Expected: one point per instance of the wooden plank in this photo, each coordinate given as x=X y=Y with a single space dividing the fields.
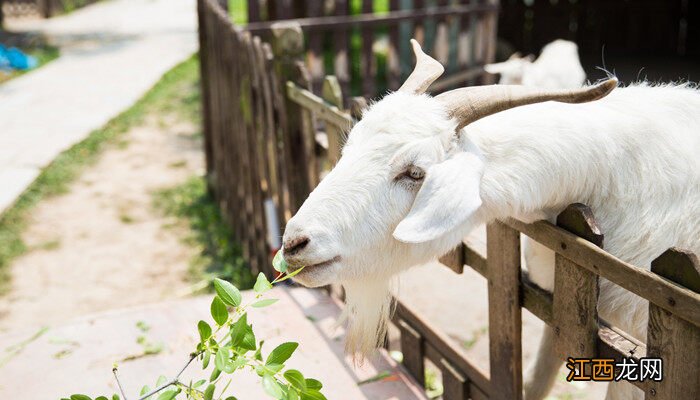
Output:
x=204 y=78
x=341 y=49
x=317 y=105
x=314 y=55
x=333 y=95
x=576 y=290
x=681 y=301
x=288 y=47
x=505 y=320
x=393 y=70
x=357 y=106
x=368 y=63
x=413 y=351
x=280 y=118
x=489 y=39
x=253 y=10
x=371 y=20
x=454 y=259
x=675 y=341
x=455 y=385
x=439 y=346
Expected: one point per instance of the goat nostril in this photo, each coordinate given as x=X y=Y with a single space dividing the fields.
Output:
x=295 y=245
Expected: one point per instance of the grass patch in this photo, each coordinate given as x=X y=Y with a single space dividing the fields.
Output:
x=43 y=53
x=220 y=256
x=176 y=92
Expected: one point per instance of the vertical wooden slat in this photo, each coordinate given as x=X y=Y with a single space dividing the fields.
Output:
x=393 y=67
x=413 y=349
x=288 y=48
x=505 y=346
x=368 y=63
x=332 y=93
x=204 y=87
x=341 y=48
x=489 y=41
x=674 y=340
x=357 y=106
x=454 y=259
x=455 y=384
x=576 y=290
x=280 y=124
x=253 y=10
x=314 y=58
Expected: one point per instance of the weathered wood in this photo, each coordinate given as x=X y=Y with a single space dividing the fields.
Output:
x=341 y=49
x=683 y=302
x=368 y=63
x=505 y=320
x=314 y=56
x=455 y=385
x=317 y=105
x=288 y=47
x=332 y=94
x=576 y=290
x=369 y=19
x=413 y=351
x=439 y=346
x=675 y=341
x=454 y=259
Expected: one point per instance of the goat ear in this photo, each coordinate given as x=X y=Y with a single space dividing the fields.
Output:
x=447 y=198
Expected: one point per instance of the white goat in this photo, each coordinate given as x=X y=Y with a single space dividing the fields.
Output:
x=558 y=66
x=418 y=173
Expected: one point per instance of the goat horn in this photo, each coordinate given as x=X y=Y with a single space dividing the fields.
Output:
x=472 y=103
x=427 y=70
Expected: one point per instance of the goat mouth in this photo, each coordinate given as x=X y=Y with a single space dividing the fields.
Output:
x=322 y=264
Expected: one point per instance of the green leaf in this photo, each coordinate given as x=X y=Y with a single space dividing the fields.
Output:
x=272 y=387
x=199 y=383
x=313 y=384
x=242 y=335
x=282 y=353
x=292 y=394
x=264 y=303
x=278 y=263
x=206 y=359
x=115 y=397
x=144 y=390
x=296 y=379
x=161 y=381
x=258 y=351
x=262 y=285
x=209 y=392
x=312 y=395
x=227 y=292
x=222 y=359
x=231 y=398
x=80 y=397
x=204 y=330
x=214 y=374
x=219 y=311
x=101 y=398
x=169 y=394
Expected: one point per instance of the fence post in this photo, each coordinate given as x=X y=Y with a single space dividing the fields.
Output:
x=505 y=315
x=674 y=340
x=332 y=93
x=413 y=349
x=575 y=302
x=288 y=48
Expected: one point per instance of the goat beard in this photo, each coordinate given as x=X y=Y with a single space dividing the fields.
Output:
x=369 y=305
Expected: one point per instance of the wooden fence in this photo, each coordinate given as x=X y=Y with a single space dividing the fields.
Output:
x=44 y=8
x=368 y=49
x=269 y=138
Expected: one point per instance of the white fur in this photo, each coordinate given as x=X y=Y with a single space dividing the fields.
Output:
x=558 y=66
x=631 y=157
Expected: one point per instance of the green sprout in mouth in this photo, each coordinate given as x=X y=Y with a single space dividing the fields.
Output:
x=281 y=266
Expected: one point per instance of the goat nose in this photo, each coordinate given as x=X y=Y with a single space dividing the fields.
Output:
x=295 y=245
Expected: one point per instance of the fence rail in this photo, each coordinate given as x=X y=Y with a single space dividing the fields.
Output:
x=269 y=138
x=369 y=52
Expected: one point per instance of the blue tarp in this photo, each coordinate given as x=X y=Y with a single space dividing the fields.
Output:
x=14 y=59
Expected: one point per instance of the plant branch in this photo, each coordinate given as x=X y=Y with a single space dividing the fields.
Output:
x=174 y=381
x=116 y=377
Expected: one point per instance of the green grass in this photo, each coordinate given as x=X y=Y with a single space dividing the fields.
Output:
x=176 y=92
x=43 y=53
x=220 y=256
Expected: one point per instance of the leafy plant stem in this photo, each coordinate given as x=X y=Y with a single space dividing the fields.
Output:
x=174 y=381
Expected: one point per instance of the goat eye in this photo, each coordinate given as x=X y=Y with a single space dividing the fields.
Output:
x=415 y=173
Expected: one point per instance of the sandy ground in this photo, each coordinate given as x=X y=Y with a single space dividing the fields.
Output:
x=102 y=245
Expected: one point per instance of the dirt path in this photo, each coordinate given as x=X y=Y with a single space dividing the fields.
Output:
x=102 y=245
